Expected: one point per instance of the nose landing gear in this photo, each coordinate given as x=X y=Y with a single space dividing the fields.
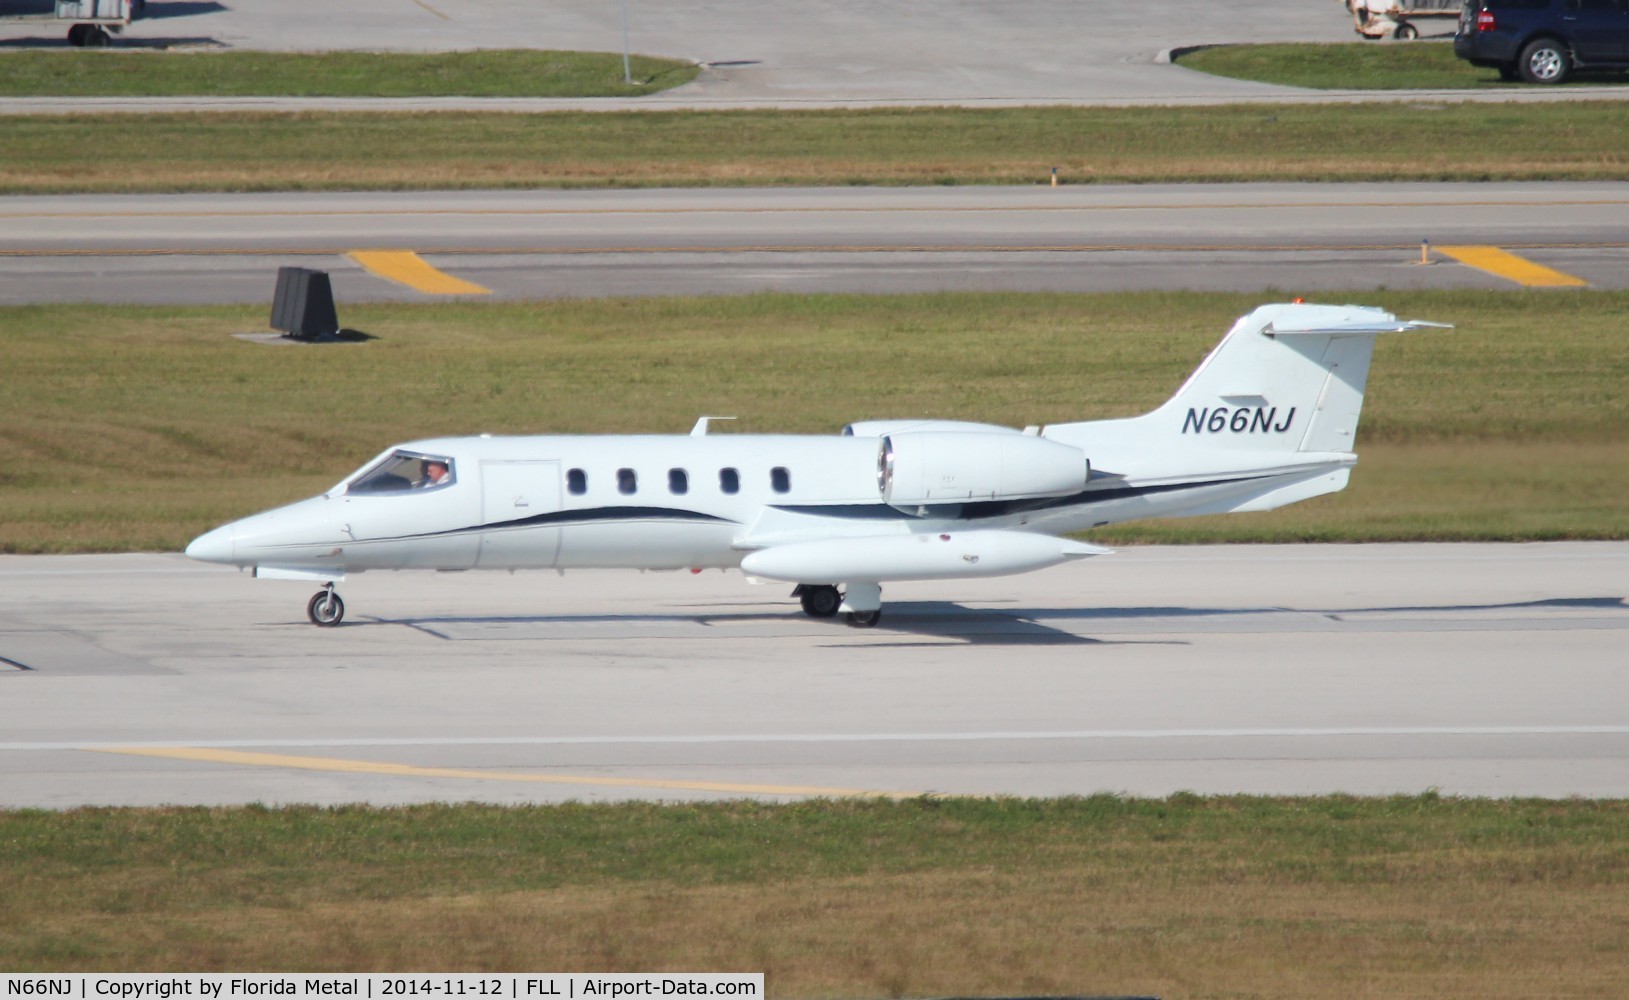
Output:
x=862 y=604
x=325 y=609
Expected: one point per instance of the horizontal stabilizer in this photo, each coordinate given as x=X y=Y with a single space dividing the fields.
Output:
x=1406 y=326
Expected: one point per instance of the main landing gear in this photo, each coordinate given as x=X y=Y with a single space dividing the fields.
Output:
x=325 y=608
x=819 y=600
x=861 y=605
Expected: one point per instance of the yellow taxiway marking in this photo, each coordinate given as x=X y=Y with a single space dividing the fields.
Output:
x=408 y=268
x=411 y=771
x=1504 y=264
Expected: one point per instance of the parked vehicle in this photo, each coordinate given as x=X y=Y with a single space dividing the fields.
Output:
x=1544 y=41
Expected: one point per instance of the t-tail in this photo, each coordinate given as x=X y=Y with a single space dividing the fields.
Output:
x=1268 y=418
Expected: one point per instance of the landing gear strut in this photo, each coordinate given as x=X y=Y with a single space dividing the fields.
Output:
x=325 y=608
x=862 y=603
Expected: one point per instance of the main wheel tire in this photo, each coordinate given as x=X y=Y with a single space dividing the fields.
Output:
x=97 y=37
x=821 y=601
x=864 y=619
x=76 y=35
x=1545 y=60
x=325 y=609
x=1406 y=32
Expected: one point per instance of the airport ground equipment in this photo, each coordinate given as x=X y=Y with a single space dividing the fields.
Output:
x=1395 y=18
x=93 y=22
x=303 y=304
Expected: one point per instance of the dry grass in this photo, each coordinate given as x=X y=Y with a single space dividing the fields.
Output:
x=136 y=428
x=1227 y=897
x=1359 y=65
x=1438 y=491
x=237 y=73
x=198 y=152
x=948 y=934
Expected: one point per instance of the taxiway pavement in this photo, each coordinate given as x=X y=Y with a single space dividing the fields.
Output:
x=1472 y=669
x=193 y=249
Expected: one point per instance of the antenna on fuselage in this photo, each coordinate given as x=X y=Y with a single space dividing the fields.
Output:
x=700 y=430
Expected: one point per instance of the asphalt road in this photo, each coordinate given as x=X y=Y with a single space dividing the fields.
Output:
x=814 y=53
x=810 y=51
x=1472 y=669
x=541 y=244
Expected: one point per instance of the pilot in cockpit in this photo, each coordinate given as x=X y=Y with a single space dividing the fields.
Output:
x=433 y=472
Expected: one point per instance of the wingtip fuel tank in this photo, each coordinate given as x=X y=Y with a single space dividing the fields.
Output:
x=925 y=556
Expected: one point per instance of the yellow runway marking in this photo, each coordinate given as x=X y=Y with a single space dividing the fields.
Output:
x=1503 y=264
x=408 y=268
x=410 y=771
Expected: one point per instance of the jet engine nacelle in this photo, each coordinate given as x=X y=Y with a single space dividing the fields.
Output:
x=916 y=470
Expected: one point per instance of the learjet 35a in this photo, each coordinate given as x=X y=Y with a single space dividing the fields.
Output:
x=1267 y=419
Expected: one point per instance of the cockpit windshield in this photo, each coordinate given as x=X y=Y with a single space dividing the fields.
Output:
x=403 y=471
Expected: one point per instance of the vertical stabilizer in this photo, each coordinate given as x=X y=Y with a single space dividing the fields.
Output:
x=1287 y=378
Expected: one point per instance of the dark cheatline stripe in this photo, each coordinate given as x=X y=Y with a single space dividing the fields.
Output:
x=589 y=515
x=847 y=511
x=981 y=509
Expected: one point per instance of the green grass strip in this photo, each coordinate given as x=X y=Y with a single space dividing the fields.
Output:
x=1361 y=66
x=358 y=151
x=136 y=428
x=485 y=73
x=1228 y=896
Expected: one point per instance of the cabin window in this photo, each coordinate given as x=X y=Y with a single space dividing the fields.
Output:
x=729 y=480
x=403 y=471
x=576 y=482
x=779 y=479
x=678 y=482
x=627 y=482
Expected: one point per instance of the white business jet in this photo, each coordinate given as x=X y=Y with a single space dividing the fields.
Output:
x=1267 y=419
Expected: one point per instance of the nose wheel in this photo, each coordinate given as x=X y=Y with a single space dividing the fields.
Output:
x=325 y=609
x=864 y=619
x=862 y=604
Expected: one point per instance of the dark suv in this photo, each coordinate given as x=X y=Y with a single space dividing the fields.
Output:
x=1543 y=41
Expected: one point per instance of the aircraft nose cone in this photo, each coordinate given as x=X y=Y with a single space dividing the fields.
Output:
x=212 y=546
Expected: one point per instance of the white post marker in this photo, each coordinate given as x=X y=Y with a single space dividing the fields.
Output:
x=627 y=74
